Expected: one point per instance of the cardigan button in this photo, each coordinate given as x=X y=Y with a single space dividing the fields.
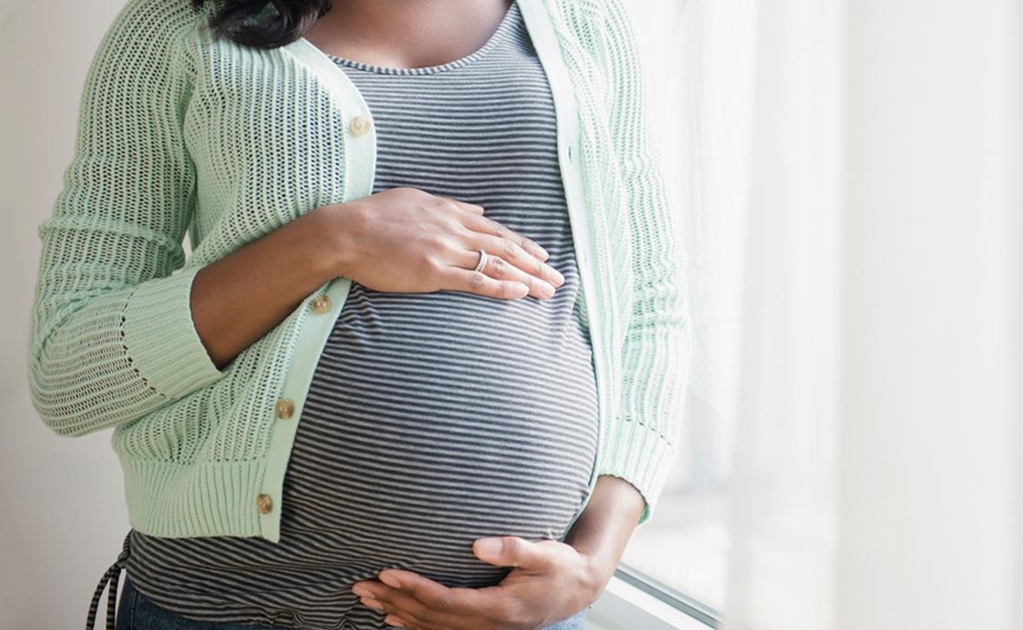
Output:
x=284 y=408
x=320 y=304
x=359 y=125
x=264 y=504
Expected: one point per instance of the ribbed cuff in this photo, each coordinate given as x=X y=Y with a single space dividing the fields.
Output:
x=161 y=340
x=640 y=456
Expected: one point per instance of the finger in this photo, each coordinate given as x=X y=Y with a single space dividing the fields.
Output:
x=399 y=607
x=407 y=620
x=395 y=620
x=513 y=551
x=513 y=253
x=410 y=624
x=484 y=225
x=499 y=269
x=392 y=613
x=462 y=205
x=426 y=602
x=460 y=279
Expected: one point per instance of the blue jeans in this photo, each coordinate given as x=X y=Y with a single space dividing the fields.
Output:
x=135 y=612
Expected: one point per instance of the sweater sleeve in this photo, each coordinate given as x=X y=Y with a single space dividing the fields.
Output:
x=112 y=336
x=643 y=441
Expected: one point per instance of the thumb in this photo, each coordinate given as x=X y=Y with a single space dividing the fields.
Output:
x=511 y=551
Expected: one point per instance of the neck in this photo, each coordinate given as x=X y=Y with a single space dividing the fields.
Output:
x=407 y=34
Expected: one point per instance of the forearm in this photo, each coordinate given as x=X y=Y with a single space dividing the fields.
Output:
x=603 y=529
x=241 y=297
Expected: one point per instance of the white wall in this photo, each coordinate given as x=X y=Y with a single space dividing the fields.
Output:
x=62 y=516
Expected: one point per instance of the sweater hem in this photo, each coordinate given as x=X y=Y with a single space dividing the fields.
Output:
x=173 y=500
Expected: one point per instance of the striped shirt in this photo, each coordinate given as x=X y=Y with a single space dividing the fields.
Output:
x=432 y=419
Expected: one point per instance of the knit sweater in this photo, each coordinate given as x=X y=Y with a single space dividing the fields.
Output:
x=184 y=132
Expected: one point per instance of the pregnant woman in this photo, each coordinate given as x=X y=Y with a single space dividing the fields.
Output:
x=422 y=367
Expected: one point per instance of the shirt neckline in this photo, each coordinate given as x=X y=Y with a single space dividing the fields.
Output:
x=495 y=38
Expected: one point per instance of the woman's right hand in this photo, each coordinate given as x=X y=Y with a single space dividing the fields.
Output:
x=406 y=240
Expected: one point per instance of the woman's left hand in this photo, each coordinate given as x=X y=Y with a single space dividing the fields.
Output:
x=550 y=581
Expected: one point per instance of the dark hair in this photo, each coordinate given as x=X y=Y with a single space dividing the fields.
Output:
x=248 y=23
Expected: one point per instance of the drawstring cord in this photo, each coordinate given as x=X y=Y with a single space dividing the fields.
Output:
x=113 y=577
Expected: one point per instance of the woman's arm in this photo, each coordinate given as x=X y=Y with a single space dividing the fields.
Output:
x=239 y=298
x=121 y=327
x=603 y=530
x=111 y=339
x=401 y=240
x=642 y=442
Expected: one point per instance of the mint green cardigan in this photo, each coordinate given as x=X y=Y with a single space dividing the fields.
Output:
x=181 y=132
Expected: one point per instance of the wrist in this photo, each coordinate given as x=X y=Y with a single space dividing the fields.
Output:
x=334 y=229
x=598 y=570
x=602 y=531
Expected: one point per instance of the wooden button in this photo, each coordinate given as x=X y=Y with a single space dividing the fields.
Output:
x=359 y=125
x=284 y=408
x=320 y=304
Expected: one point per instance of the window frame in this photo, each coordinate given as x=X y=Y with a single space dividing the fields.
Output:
x=635 y=601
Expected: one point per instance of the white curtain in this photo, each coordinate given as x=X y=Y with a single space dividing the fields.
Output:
x=782 y=494
x=856 y=239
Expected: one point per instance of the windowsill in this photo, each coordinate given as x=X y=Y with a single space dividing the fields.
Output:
x=627 y=605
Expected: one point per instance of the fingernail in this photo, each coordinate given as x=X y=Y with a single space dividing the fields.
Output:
x=546 y=289
x=389 y=580
x=361 y=591
x=392 y=621
x=372 y=603
x=489 y=546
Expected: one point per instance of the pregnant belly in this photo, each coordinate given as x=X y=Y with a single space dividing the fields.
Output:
x=436 y=419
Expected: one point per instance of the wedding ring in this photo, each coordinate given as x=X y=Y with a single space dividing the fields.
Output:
x=483 y=261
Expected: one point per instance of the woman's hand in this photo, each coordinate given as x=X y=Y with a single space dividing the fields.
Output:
x=551 y=581
x=406 y=240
